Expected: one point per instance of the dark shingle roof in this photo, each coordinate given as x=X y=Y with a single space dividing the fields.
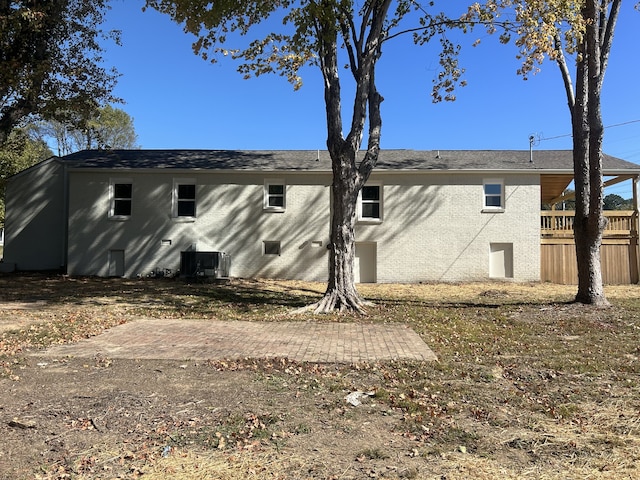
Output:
x=314 y=160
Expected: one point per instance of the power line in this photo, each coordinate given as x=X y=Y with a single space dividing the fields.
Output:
x=608 y=126
x=623 y=123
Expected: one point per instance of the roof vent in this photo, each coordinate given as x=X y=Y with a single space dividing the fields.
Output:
x=531 y=139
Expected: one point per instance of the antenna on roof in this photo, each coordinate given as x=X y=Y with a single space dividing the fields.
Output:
x=531 y=140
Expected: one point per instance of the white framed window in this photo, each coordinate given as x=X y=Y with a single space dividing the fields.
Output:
x=184 y=198
x=275 y=195
x=370 y=203
x=270 y=248
x=493 y=195
x=120 y=198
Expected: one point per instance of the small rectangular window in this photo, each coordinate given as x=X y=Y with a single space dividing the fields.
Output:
x=274 y=195
x=493 y=195
x=184 y=198
x=122 y=199
x=370 y=203
x=271 y=248
x=121 y=195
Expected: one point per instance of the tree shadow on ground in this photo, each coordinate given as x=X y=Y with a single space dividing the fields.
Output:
x=60 y=289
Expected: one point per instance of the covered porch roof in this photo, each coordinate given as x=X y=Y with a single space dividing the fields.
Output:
x=553 y=186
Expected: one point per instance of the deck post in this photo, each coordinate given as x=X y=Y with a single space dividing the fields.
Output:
x=634 y=256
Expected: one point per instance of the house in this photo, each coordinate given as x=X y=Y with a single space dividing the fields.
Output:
x=423 y=215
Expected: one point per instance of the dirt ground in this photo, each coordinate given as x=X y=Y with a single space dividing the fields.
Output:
x=109 y=419
x=118 y=418
x=493 y=407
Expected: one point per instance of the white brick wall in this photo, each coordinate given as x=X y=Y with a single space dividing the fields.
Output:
x=230 y=218
x=433 y=228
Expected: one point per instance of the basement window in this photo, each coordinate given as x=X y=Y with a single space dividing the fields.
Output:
x=270 y=248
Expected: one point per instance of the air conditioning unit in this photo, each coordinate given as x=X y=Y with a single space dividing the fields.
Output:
x=215 y=265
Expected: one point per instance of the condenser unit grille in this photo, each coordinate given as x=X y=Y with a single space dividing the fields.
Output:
x=205 y=264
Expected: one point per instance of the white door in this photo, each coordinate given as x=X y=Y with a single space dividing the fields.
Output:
x=501 y=260
x=116 y=263
x=365 y=262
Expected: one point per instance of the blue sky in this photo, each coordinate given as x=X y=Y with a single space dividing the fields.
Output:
x=178 y=100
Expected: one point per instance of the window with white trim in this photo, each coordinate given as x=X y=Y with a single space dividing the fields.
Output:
x=120 y=198
x=493 y=193
x=370 y=203
x=275 y=195
x=184 y=198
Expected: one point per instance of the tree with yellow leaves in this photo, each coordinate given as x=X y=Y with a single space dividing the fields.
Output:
x=561 y=30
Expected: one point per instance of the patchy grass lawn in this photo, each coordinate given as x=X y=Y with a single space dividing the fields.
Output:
x=527 y=385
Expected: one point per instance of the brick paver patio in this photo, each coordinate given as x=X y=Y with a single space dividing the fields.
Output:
x=210 y=340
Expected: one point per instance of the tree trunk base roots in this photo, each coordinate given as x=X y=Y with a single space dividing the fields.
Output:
x=598 y=301
x=337 y=301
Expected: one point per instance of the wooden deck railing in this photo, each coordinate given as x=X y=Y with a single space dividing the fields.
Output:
x=559 y=223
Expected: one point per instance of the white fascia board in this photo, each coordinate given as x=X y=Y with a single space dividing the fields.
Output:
x=476 y=171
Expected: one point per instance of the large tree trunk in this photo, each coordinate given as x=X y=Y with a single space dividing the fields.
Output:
x=588 y=133
x=341 y=293
x=588 y=229
x=348 y=175
x=587 y=140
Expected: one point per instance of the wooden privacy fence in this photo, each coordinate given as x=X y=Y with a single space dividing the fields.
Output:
x=619 y=252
